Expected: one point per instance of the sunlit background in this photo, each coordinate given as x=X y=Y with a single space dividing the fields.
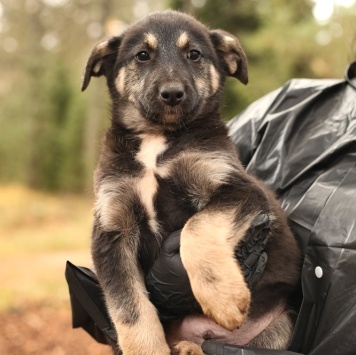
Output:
x=50 y=131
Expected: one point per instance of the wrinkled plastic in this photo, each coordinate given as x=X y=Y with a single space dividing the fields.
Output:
x=301 y=140
x=88 y=308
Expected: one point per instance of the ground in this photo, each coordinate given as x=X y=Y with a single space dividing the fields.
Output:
x=39 y=232
x=44 y=330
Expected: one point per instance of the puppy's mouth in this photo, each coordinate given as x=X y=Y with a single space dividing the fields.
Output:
x=169 y=117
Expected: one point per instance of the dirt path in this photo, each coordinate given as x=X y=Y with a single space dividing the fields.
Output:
x=42 y=330
x=36 y=316
x=39 y=232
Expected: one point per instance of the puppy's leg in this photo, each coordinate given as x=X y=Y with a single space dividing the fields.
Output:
x=135 y=318
x=277 y=335
x=115 y=250
x=207 y=250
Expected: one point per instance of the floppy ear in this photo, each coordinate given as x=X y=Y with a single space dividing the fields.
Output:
x=231 y=54
x=102 y=55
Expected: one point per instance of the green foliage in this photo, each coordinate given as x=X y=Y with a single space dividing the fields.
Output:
x=50 y=132
x=43 y=146
x=62 y=155
x=43 y=116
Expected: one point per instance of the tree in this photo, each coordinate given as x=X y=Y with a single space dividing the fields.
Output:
x=48 y=138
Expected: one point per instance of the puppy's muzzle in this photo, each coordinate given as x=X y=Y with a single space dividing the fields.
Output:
x=172 y=95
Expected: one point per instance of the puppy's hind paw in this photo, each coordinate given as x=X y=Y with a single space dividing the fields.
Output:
x=226 y=303
x=187 y=348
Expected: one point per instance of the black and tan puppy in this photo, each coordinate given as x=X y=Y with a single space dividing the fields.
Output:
x=166 y=164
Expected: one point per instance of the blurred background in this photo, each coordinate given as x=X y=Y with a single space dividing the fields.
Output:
x=50 y=132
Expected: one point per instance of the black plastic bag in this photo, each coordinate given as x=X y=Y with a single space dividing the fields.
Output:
x=301 y=140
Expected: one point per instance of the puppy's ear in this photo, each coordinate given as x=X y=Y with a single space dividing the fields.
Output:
x=231 y=54
x=102 y=55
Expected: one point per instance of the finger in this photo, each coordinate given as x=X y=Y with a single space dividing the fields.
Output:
x=256 y=275
x=212 y=347
x=172 y=243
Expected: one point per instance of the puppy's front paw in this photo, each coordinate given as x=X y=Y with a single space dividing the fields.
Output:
x=150 y=346
x=225 y=300
x=186 y=348
x=143 y=339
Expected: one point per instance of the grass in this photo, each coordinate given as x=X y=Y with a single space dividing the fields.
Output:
x=38 y=233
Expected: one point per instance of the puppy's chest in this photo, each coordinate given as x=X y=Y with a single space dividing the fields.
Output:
x=159 y=186
x=150 y=149
x=171 y=186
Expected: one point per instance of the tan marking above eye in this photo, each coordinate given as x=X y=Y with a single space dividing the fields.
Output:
x=151 y=40
x=183 y=40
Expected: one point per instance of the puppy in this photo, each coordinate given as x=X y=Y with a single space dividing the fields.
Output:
x=167 y=163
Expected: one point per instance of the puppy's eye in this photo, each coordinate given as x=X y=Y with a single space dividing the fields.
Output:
x=142 y=56
x=194 y=55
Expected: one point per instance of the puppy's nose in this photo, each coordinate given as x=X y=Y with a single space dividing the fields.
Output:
x=172 y=95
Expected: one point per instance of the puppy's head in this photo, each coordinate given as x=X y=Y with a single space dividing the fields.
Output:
x=166 y=69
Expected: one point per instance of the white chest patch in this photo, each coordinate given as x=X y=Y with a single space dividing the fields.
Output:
x=151 y=147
